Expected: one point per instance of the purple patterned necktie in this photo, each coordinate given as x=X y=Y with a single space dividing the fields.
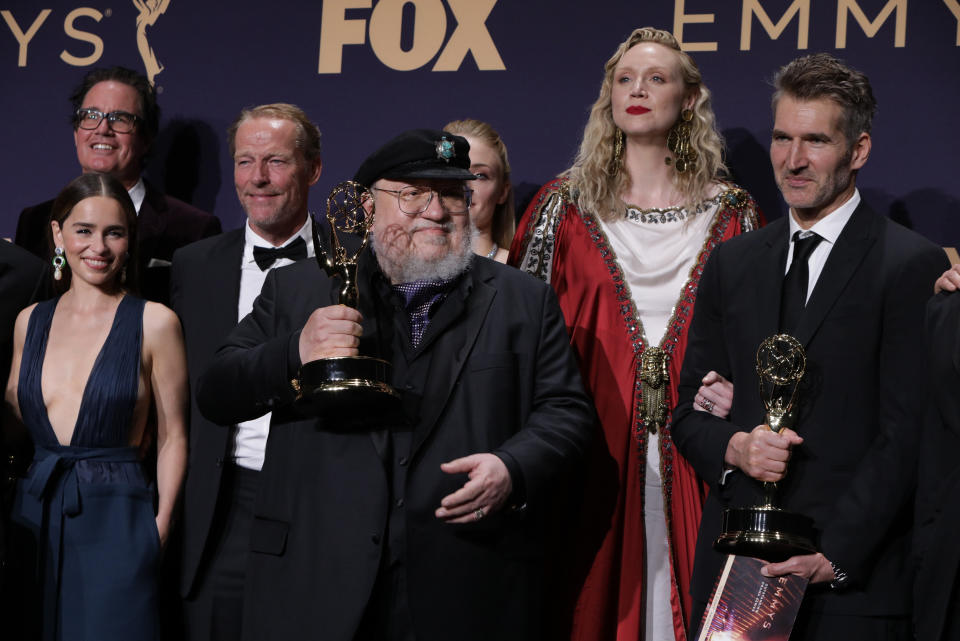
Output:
x=419 y=298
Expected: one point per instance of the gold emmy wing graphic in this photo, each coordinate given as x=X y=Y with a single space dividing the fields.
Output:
x=149 y=10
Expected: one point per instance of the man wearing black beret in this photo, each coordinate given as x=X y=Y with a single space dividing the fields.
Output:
x=428 y=523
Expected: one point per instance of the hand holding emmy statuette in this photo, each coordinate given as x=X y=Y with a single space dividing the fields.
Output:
x=346 y=383
x=766 y=531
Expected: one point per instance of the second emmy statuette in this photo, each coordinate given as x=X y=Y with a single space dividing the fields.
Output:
x=350 y=384
x=766 y=531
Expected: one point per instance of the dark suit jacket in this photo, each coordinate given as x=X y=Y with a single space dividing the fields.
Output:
x=164 y=224
x=205 y=290
x=24 y=279
x=501 y=377
x=859 y=402
x=937 y=589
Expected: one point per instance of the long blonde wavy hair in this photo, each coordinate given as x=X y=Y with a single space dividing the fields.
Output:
x=504 y=222
x=597 y=179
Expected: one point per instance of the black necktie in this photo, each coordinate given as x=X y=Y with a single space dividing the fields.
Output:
x=794 y=296
x=266 y=256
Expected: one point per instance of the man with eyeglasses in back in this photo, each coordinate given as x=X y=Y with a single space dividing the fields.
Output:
x=428 y=521
x=115 y=120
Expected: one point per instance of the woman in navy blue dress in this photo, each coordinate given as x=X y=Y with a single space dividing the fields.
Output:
x=90 y=368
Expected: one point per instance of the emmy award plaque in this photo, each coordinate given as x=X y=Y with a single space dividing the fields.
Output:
x=766 y=531
x=346 y=384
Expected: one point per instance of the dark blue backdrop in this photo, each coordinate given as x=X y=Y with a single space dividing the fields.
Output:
x=218 y=57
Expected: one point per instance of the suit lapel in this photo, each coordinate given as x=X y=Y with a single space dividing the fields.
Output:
x=469 y=306
x=770 y=265
x=150 y=219
x=854 y=242
x=223 y=273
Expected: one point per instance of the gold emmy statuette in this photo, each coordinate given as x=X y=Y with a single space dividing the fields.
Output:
x=766 y=531
x=346 y=385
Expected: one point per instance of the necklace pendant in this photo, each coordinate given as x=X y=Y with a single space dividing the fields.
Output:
x=654 y=379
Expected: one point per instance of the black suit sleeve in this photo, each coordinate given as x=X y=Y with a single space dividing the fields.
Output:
x=939 y=470
x=936 y=593
x=251 y=373
x=558 y=429
x=701 y=437
x=32 y=229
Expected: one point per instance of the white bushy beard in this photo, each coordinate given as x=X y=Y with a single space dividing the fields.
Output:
x=400 y=264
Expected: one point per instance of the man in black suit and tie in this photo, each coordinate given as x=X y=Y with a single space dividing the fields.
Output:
x=426 y=522
x=276 y=154
x=115 y=120
x=850 y=285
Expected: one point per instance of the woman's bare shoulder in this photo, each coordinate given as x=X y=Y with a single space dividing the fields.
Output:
x=159 y=320
x=23 y=319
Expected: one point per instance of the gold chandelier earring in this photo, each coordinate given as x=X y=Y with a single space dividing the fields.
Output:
x=617 y=153
x=678 y=142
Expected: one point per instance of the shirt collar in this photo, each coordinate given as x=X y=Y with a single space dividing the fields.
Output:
x=830 y=226
x=251 y=239
x=137 y=193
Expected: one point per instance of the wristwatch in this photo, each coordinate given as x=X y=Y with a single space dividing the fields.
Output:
x=840 y=578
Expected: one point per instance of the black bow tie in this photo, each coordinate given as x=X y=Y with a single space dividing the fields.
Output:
x=266 y=256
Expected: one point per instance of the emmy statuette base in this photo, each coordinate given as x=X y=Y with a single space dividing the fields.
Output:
x=766 y=533
x=352 y=389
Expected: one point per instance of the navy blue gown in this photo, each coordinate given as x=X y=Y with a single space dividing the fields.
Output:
x=89 y=504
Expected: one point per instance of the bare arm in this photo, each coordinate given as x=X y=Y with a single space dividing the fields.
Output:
x=13 y=429
x=163 y=341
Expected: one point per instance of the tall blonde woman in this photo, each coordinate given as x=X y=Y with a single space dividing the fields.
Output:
x=89 y=368
x=491 y=210
x=622 y=236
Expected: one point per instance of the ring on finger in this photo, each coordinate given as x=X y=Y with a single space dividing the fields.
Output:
x=478 y=514
x=706 y=404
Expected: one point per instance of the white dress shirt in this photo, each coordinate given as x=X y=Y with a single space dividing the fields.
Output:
x=137 y=193
x=250 y=437
x=829 y=228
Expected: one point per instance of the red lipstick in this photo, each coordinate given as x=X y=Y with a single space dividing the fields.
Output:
x=637 y=110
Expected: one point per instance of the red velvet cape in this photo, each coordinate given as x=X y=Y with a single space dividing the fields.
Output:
x=604 y=562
